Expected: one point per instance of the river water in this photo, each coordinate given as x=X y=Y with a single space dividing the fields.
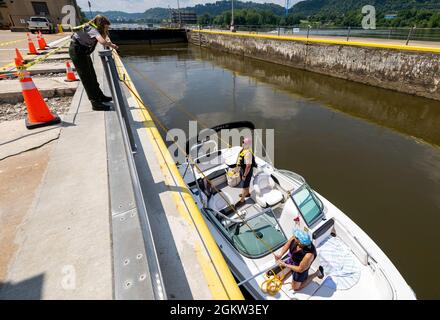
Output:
x=374 y=153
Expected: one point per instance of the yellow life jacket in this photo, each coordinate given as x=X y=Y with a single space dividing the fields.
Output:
x=240 y=160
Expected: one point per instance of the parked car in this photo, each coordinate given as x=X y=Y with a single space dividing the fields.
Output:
x=40 y=24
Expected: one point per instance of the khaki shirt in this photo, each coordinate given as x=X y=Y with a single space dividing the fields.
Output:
x=247 y=157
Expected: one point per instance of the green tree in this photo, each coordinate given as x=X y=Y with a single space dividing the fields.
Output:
x=205 y=19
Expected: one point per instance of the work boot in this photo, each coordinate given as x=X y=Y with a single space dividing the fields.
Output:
x=99 y=106
x=105 y=98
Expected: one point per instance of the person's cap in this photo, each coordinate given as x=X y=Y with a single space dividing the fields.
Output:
x=303 y=237
x=247 y=141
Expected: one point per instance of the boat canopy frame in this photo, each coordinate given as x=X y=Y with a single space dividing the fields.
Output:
x=226 y=126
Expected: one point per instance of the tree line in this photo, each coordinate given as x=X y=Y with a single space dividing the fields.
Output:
x=421 y=18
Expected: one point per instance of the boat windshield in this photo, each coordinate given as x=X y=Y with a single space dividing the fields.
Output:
x=308 y=203
x=259 y=236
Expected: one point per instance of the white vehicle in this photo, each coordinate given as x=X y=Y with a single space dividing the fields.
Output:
x=248 y=235
x=40 y=24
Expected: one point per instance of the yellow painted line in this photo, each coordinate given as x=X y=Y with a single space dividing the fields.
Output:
x=8 y=66
x=219 y=278
x=326 y=41
x=2 y=44
x=216 y=288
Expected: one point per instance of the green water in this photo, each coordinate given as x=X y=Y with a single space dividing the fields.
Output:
x=372 y=152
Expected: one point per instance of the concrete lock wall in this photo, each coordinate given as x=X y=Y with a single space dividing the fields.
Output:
x=413 y=72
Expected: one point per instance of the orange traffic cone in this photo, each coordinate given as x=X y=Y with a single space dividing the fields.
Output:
x=69 y=73
x=41 y=45
x=39 y=114
x=31 y=45
x=43 y=41
x=19 y=61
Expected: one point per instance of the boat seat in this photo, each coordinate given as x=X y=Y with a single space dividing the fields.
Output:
x=265 y=193
x=218 y=202
x=217 y=177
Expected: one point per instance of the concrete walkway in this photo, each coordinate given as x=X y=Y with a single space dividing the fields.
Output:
x=11 y=92
x=62 y=247
x=49 y=67
x=11 y=40
x=62 y=241
x=16 y=138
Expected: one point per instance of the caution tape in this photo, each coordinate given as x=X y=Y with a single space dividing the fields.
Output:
x=7 y=67
x=11 y=42
x=42 y=58
x=21 y=69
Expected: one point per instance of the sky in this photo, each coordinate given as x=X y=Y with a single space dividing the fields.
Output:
x=142 y=5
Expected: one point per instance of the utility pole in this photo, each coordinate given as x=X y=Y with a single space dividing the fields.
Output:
x=287 y=7
x=180 y=16
x=232 y=17
x=90 y=10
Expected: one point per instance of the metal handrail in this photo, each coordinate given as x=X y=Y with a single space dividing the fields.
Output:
x=129 y=145
x=395 y=33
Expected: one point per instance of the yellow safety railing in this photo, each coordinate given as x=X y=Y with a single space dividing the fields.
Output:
x=326 y=41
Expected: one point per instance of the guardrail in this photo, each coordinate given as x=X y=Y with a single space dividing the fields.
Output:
x=405 y=34
x=421 y=47
x=131 y=237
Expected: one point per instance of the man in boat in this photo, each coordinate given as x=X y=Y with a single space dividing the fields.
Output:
x=246 y=163
x=302 y=253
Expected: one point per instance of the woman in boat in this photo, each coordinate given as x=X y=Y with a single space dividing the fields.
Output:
x=84 y=41
x=302 y=253
x=246 y=163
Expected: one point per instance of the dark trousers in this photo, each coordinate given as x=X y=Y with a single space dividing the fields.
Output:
x=84 y=67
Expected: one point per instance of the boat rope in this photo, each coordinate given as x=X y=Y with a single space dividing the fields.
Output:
x=273 y=283
x=174 y=101
x=190 y=115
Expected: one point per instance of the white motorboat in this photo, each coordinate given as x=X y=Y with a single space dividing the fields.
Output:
x=248 y=235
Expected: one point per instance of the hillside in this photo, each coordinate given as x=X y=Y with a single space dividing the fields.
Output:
x=310 y=7
x=212 y=9
x=116 y=16
x=220 y=7
x=423 y=13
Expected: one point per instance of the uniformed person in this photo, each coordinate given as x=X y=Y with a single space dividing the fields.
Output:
x=84 y=41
